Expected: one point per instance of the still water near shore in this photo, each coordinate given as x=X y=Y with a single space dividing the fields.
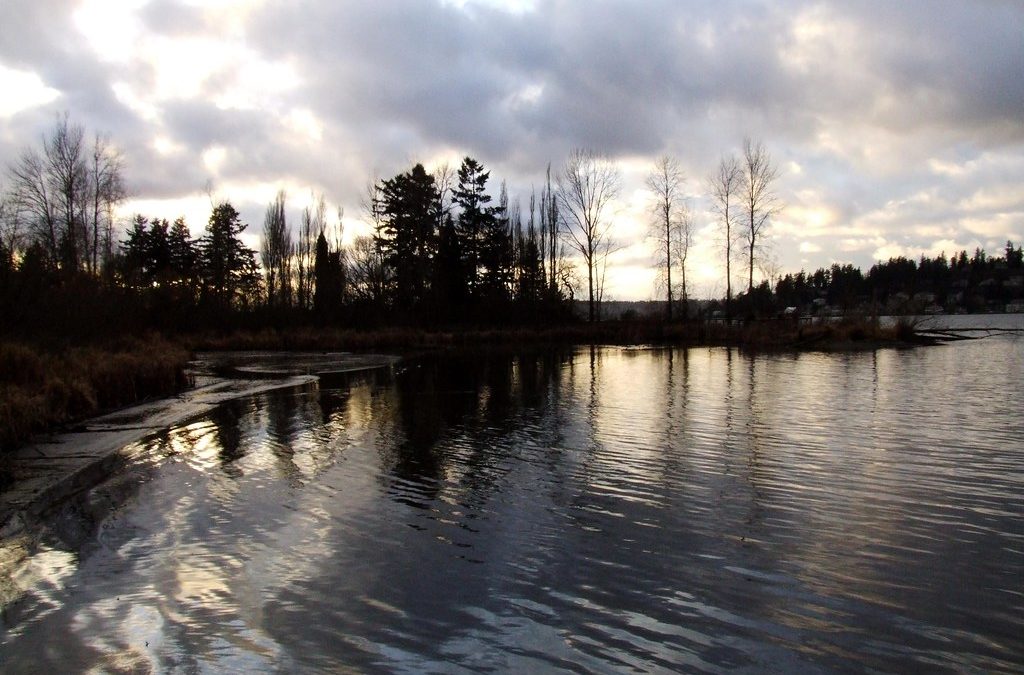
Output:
x=594 y=510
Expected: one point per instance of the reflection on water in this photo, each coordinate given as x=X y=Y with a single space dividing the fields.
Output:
x=599 y=510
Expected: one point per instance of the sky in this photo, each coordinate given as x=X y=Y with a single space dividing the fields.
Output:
x=897 y=128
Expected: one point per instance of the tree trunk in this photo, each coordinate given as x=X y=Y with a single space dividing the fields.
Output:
x=668 y=260
x=590 y=289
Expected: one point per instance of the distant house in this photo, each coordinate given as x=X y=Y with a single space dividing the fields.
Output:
x=1015 y=307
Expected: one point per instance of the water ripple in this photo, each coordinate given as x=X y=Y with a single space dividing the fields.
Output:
x=593 y=511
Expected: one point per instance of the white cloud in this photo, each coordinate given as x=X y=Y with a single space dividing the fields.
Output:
x=22 y=91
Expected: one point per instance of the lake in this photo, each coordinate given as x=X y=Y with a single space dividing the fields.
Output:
x=593 y=510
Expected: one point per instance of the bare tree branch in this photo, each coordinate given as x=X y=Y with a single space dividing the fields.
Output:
x=586 y=187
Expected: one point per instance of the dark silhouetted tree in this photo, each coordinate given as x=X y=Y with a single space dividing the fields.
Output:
x=475 y=219
x=725 y=185
x=496 y=258
x=450 y=285
x=670 y=226
x=586 y=187
x=409 y=205
x=183 y=255
x=759 y=201
x=276 y=253
x=230 y=273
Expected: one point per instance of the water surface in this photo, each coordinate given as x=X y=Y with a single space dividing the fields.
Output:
x=602 y=510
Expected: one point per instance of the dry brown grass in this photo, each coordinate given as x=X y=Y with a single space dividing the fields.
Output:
x=765 y=334
x=40 y=389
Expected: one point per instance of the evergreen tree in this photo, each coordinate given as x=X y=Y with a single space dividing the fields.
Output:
x=183 y=254
x=476 y=218
x=133 y=253
x=449 y=285
x=158 y=253
x=409 y=205
x=230 y=273
x=497 y=255
x=329 y=278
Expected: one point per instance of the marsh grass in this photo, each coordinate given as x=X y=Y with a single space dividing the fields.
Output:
x=854 y=332
x=43 y=388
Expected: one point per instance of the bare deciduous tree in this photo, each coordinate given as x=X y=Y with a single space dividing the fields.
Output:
x=314 y=220
x=671 y=223
x=276 y=252
x=33 y=202
x=586 y=187
x=725 y=184
x=106 y=190
x=65 y=198
x=445 y=180
x=759 y=201
x=67 y=173
x=550 y=250
x=10 y=231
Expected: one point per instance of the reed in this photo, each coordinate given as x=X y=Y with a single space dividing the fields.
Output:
x=43 y=388
x=852 y=333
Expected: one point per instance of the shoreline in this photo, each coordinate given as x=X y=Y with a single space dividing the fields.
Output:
x=849 y=333
x=72 y=458
x=52 y=469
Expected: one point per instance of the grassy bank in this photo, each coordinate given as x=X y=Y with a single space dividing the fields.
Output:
x=855 y=333
x=43 y=388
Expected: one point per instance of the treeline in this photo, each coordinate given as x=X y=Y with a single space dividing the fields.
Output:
x=442 y=251
x=971 y=283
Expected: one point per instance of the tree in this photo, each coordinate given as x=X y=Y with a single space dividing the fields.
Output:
x=67 y=173
x=314 y=221
x=34 y=202
x=724 y=185
x=106 y=190
x=66 y=198
x=366 y=273
x=329 y=277
x=530 y=277
x=276 y=253
x=374 y=273
x=476 y=218
x=134 y=252
x=409 y=205
x=158 y=253
x=229 y=266
x=671 y=224
x=184 y=256
x=549 y=245
x=759 y=200
x=1014 y=256
x=586 y=187
x=497 y=256
x=9 y=236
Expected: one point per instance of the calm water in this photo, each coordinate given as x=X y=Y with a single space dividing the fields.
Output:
x=612 y=510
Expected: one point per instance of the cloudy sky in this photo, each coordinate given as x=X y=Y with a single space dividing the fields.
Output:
x=897 y=127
